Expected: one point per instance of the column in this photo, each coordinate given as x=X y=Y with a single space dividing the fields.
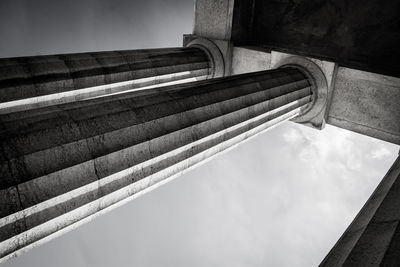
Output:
x=32 y=82
x=64 y=164
x=373 y=238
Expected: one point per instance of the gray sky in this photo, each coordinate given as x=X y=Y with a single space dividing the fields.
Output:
x=281 y=199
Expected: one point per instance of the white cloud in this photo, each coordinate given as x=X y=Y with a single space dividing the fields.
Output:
x=380 y=153
x=293 y=136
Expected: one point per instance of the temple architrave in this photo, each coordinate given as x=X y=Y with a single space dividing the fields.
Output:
x=84 y=133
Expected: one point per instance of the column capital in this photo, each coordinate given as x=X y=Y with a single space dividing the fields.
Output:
x=218 y=51
x=321 y=74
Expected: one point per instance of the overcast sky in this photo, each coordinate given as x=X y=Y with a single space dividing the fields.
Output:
x=281 y=199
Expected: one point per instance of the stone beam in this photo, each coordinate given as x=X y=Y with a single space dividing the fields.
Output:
x=32 y=82
x=366 y=103
x=359 y=101
x=63 y=165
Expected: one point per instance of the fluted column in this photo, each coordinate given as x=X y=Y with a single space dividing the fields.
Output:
x=62 y=165
x=373 y=238
x=31 y=82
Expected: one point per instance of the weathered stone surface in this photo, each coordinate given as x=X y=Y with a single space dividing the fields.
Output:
x=249 y=59
x=373 y=237
x=221 y=64
x=323 y=73
x=359 y=101
x=31 y=82
x=366 y=103
x=213 y=19
x=61 y=165
x=218 y=51
x=364 y=37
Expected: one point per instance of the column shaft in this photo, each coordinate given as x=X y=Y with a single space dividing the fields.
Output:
x=62 y=165
x=373 y=238
x=32 y=82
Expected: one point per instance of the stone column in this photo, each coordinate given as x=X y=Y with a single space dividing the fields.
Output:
x=373 y=238
x=32 y=82
x=63 y=165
